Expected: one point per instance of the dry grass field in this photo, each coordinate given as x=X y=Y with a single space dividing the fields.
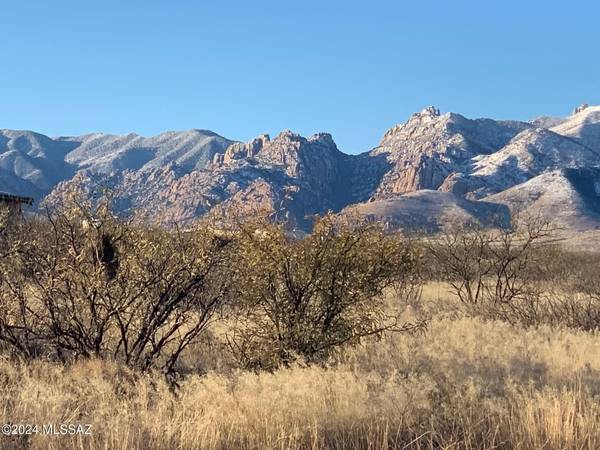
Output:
x=141 y=338
x=465 y=383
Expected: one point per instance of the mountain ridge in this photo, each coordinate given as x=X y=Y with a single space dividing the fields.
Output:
x=180 y=176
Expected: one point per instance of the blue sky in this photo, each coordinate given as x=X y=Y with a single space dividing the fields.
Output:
x=241 y=68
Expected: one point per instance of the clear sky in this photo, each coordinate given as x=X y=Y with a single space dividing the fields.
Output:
x=241 y=68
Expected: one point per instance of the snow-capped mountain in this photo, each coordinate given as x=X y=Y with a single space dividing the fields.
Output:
x=291 y=175
x=34 y=164
x=429 y=147
x=31 y=163
x=529 y=154
x=433 y=169
x=583 y=126
x=102 y=153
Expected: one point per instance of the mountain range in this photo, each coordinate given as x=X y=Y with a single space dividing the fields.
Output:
x=432 y=170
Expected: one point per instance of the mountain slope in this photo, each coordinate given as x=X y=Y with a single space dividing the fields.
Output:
x=430 y=211
x=41 y=162
x=31 y=163
x=295 y=176
x=583 y=126
x=527 y=155
x=570 y=197
x=103 y=153
x=429 y=147
x=431 y=169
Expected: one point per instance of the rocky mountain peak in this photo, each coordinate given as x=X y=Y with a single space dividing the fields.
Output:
x=322 y=138
x=179 y=176
x=580 y=108
x=419 y=123
x=426 y=115
x=583 y=126
x=281 y=150
x=430 y=111
x=241 y=150
x=288 y=135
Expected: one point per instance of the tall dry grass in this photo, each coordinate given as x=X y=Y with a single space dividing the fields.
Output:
x=464 y=384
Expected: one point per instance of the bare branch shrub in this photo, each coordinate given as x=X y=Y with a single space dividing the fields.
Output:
x=300 y=299
x=572 y=296
x=83 y=283
x=494 y=272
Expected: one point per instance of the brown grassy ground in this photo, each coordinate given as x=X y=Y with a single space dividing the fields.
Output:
x=464 y=384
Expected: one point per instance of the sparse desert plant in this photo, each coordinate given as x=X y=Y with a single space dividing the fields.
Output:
x=100 y=299
x=573 y=303
x=494 y=271
x=300 y=299
x=83 y=283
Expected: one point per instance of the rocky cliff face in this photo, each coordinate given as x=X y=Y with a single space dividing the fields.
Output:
x=178 y=177
x=290 y=176
x=430 y=147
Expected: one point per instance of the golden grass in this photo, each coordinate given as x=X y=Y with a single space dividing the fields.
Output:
x=464 y=384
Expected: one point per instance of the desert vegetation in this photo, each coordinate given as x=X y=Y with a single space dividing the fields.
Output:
x=252 y=337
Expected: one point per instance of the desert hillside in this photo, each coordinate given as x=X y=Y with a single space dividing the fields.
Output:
x=481 y=166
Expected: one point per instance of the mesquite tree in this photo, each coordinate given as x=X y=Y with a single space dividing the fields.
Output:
x=300 y=299
x=83 y=283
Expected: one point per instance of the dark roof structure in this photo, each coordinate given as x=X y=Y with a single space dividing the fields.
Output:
x=5 y=197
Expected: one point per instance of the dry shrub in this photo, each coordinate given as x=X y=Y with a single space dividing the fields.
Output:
x=89 y=289
x=300 y=299
x=519 y=275
x=83 y=283
x=494 y=272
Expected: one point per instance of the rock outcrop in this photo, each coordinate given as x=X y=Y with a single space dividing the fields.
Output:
x=179 y=177
x=429 y=147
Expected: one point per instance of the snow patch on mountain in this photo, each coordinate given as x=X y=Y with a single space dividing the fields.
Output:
x=188 y=150
x=529 y=154
x=570 y=198
x=435 y=167
x=583 y=125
